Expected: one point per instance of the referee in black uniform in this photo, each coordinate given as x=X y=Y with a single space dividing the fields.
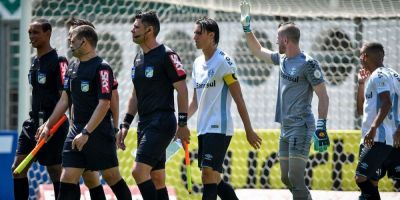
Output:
x=46 y=77
x=90 y=144
x=157 y=71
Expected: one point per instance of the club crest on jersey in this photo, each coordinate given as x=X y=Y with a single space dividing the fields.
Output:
x=211 y=73
x=149 y=71
x=292 y=71
x=41 y=77
x=85 y=86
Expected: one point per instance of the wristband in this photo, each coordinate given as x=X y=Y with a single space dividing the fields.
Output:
x=124 y=125
x=321 y=124
x=128 y=119
x=85 y=132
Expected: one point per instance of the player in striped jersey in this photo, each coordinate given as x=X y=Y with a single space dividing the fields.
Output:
x=380 y=124
x=215 y=85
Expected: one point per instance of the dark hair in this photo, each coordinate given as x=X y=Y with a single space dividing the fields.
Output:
x=209 y=25
x=86 y=31
x=46 y=26
x=375 y=50
x=149 y=18
x=73 y=22
x=291 y=31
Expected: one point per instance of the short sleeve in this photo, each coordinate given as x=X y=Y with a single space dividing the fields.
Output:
x=381 y=82
x=62 y=69
x=115 y=84
x=174 y=67
x=104 y=81
x=229 y=70
x=313 y=72
x=275 y=57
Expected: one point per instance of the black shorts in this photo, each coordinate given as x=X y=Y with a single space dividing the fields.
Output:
x=99 y=153
x=50 y=153
x=372 y=159
x=155 y=132
x=212 y=150
x=392 y=165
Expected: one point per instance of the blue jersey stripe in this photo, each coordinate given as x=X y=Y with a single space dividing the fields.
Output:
x=224 y=116
x=395 y=109
x=381 y=129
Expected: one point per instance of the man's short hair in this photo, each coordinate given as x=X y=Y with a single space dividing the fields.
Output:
x=74 y=22
x=209 y=25
x=86 y=31
x=149 y=18
x=374 y=48
x=46 y=26
x=291 y=31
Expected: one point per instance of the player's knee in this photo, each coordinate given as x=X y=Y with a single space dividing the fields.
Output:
x=111 y=176
x=158 y=179
x=208 y=175
x=91 y=179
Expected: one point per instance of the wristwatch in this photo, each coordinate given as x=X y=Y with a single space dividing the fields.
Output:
x=85 y=132
x=116 y=130
x=124 y=125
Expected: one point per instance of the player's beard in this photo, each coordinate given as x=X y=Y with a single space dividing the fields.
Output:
x=282 y=49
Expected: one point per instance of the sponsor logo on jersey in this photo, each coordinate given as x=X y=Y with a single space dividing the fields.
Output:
x=105 y=81
x=149 y=71
x=63 y=69
x=205 y=85
x=289 y=78
x=85 y=86
x=41 y=78
x=177 y=64
x=292 y=71
x=214 y=126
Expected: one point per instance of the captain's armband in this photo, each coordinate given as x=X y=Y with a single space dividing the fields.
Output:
x=230 y=78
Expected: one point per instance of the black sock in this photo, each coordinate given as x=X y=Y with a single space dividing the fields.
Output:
x=369 y=191
x=56 y=186
x=121 y=190
x=148 y=190
x=97 y=193
x=225 y=191
x=21 y=188
x=162 y=194
x=210 y=191
x=69 y=191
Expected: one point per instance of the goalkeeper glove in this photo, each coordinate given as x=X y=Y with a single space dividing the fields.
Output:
x=321 y=139
x=245 y=16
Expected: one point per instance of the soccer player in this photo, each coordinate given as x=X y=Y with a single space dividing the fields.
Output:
x=378 y=92
x=215 y=85
x=90 y=144
x=46 y=77
x=299 y=76
x=156 y=72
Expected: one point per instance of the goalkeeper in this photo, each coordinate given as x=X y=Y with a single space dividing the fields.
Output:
x=300 y=76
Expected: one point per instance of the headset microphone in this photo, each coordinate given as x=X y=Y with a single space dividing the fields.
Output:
x=74 y=49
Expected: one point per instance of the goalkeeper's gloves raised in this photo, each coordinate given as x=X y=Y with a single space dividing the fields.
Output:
x=321 y=139
x=245 y=16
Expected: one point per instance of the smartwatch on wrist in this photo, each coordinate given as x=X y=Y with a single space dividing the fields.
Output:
x=85 y=132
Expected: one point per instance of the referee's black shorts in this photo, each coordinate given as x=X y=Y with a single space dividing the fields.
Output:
x=50 y=153
x=155 y=132
x=99 y=153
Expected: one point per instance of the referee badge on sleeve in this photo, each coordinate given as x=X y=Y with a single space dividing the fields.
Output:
x=84 y=86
